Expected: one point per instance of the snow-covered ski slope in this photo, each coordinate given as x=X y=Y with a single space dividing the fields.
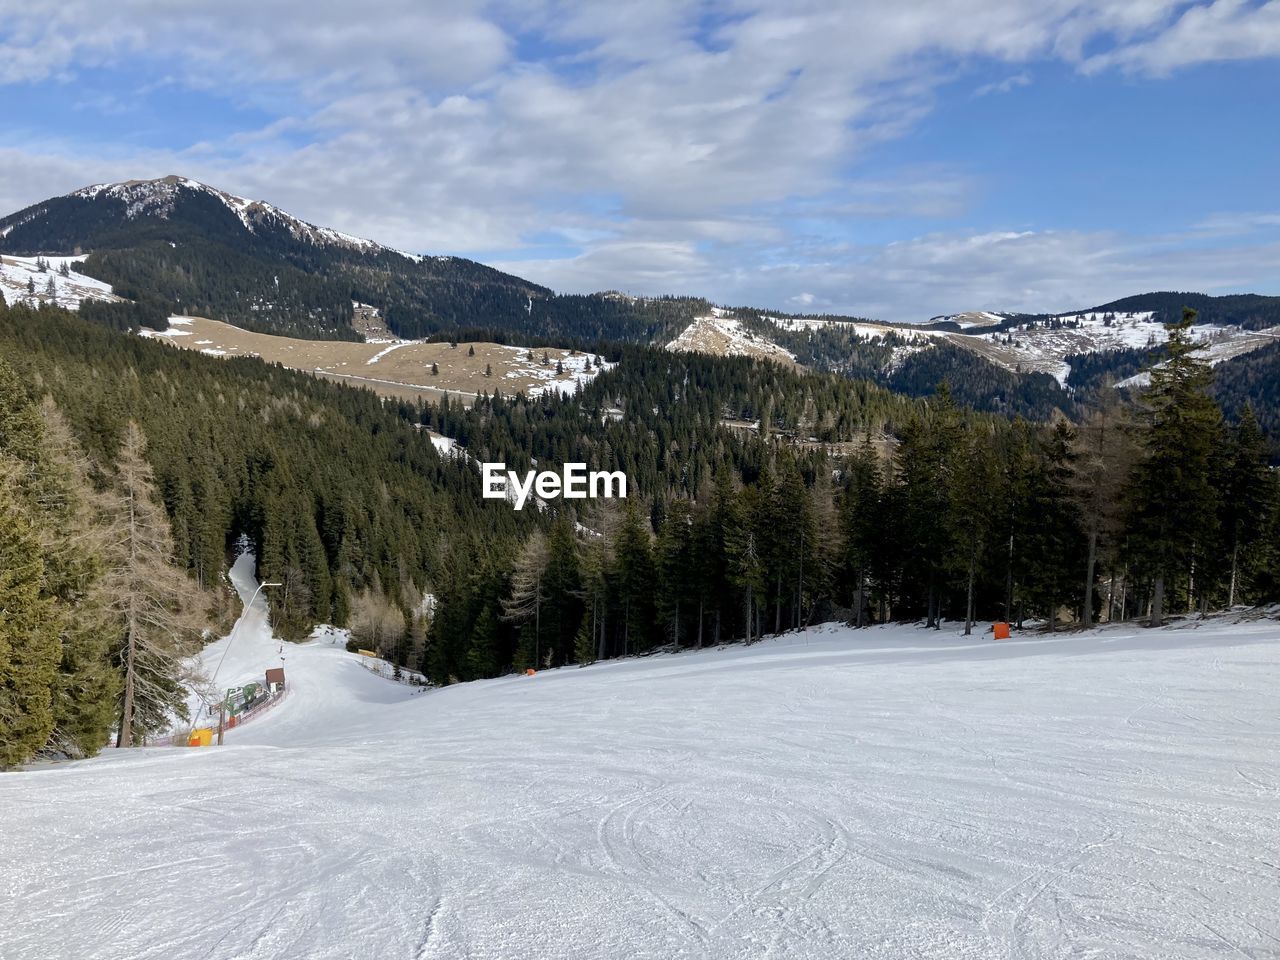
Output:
x=890 y=793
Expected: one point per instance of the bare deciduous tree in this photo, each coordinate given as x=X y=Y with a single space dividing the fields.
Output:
x=155 y=601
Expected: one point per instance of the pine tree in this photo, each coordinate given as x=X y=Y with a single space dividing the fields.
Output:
x=28 y=632
x=673 y=556
x=482 y=650
x=635 y=580
x=924 y=460
x=971 y=478
x=1172 y=502
x=863 y=521
x=584 y=647
x=1247 y=489
x=747 y=570
x=73 y=543
x=562 y=611
x=1053 y=543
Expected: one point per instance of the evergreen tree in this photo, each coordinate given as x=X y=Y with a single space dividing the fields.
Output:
x=1247 y=499
x=1172 y=501
x=73 y=543
x=863 y=522
x=673 y=555
x=482 y=650
x=743 y=547
x=972 y=479
x=563 y=586
x=634 y=580
x=1053 y=544
x=28 y=633
x=584 y=647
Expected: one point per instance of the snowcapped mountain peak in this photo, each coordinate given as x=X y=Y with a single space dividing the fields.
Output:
x=160 y=196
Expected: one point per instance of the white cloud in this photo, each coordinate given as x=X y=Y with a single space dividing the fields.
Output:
x=1033 y=271
x=688 y=147
x=1004 y=86
x=1223 y=30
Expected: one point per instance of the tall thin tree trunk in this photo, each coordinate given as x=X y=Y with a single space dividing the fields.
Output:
x=1157 y=602
x=1087 y=619
x=1191 y=585
x=1235 y=571
x=700 y=617
x=1008 y=584
x=800 y=582
x=777 y=600
x=604 y=628
x=968 y=610
x=125 y=737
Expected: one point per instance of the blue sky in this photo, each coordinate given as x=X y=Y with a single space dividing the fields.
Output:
x=887 y=160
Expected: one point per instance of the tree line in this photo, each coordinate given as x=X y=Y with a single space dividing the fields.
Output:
x=763 y=499
x=1138 y=510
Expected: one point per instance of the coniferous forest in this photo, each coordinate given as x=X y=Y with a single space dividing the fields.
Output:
x=762 y=499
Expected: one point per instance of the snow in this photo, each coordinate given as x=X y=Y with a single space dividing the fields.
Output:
x=15 y=272
x=886 y=793
x=385 y=350
x=574 y=376
x=175 y=330
x=159 y=197
x=445 y=446
x=1231 y=343
x=244 y=654
x=723 y=335
x=1045 y=350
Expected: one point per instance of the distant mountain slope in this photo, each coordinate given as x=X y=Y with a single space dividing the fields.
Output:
x=139 y=251
x=1247 y=310
x=193 y=248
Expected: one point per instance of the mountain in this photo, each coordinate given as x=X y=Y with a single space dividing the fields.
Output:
x=192 y=248
x=133 y=253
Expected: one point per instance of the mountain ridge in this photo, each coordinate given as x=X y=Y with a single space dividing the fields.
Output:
x=175 y=245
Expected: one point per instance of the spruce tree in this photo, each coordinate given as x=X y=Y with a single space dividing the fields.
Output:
x=1172 y=502
x=29 y=649
x=1053 y=543
x=863 y=521
x=635 y=580
x=676 y=569
x=1247 y=490
x=972 y=478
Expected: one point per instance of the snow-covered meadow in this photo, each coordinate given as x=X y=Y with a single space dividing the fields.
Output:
x=888 y=793
x=19 y=274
